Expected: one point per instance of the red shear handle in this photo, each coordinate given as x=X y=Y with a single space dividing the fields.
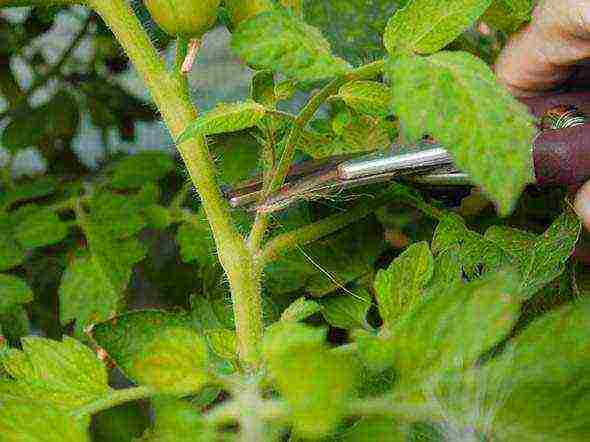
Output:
x=562 y=156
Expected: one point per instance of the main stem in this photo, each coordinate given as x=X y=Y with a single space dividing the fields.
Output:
x=178 y=112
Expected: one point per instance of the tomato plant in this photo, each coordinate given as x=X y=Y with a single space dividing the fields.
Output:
x=402 y=313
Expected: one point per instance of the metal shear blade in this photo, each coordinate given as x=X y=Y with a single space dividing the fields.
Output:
x=428 y=162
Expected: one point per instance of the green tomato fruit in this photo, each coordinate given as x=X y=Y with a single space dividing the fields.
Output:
x=185 y=18
x=240 y=10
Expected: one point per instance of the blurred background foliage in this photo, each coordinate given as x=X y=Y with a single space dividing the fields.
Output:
x=76 y=122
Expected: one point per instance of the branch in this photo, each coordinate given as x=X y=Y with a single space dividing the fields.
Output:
x=233 y=411
x=305 y=115
x=178 y=112
x=312 y=232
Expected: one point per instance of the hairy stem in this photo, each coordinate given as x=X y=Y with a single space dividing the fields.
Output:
x=178 y=112
x=114 y=398
x=305 y=115
x=232 y=411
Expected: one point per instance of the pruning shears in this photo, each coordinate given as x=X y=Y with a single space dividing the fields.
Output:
x=560 y=151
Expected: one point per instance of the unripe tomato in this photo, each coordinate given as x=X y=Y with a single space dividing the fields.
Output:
x=185 y=18
x=240 y=10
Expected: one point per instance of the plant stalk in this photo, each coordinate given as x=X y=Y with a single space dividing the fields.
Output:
x=278 y=176
x=178 y=112
x=312 y=232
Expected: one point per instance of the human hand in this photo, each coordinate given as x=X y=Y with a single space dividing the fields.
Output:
x=552 y=49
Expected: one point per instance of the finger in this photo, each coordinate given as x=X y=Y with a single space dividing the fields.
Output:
x=544 y=54
x=582 y=204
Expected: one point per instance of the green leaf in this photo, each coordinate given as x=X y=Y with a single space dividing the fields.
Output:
x=174 y=363
x=177 y=421
x=86 y=294
x=426 y=26
x=375 y=352
x=23 y=421
x=300 y=309
x=24 y=130
x=148 y=194
x=540 y=259
x=451 y=330
x=196 y=243
x=367 y=97
x=65 y=374
x=120 y=424
x=375 y=429
x=41 y=228
x=454 y=97
x=353 y=27
x=551 y=251
x=118 y=216
x=447 y=270
x=224 y=118
x=93 y=287
x=157 y=348
x=223 y=343
x=547 y=395
x=157 y=217
x=135 y=170
x=509 y=15
x=516 y=243
x=459 y=393
x=51 y=122
x=347 y=311
x=209 y=313
x=472 y=252
x=38 y=188
x=14 y=324
x=237 y=157
x=281 y=42
x=401 y=285
x=11 y=252
x=315 y=382
x=357 y=133
x=13 y=291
